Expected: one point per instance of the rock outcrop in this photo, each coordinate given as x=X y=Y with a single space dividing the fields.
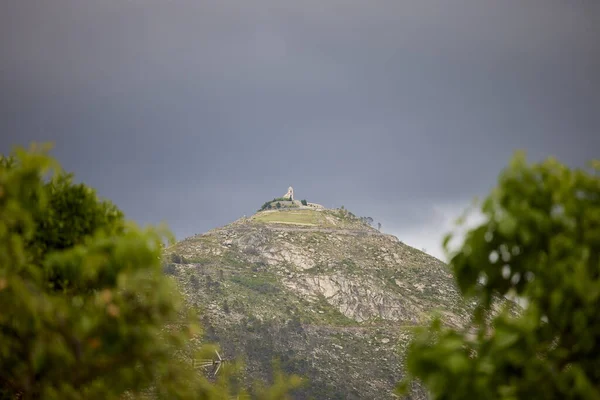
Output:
x=332 y=298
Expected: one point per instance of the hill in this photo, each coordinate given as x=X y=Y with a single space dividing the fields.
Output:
x=328 y=295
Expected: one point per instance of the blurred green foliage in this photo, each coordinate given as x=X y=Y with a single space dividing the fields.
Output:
x=85 y=309
x=539 y=241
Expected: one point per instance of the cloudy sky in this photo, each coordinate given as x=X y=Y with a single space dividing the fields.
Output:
x=195 y=112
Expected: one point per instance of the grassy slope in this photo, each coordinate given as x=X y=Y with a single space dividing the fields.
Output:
x=295 y=217
x=326 y=219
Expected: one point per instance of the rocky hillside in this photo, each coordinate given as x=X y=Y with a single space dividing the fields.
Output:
x=332 y=298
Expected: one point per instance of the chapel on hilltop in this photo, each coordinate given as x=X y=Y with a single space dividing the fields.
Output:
x=287 y=201
x=290 y=194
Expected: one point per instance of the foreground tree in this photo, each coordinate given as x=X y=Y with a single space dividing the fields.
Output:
x=86 y=312
x=540 y=241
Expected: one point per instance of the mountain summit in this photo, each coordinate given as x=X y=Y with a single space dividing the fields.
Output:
x=319 y=289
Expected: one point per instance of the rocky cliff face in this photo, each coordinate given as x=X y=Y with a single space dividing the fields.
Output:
x=331 y=298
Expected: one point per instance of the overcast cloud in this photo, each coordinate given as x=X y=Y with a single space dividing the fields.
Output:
x=196 y=112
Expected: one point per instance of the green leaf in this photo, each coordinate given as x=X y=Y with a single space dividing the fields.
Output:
x=504 y=339
x=508 y=226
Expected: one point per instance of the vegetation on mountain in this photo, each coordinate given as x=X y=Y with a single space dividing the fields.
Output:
x=86 y=312
x=540 y=241
x=345 y=214
x=329 y=296
x=366 y=220
x=268 y=205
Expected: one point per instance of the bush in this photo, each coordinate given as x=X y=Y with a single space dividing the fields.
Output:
x=267 y=205
x=195 y=282
x=81 y=292
x=539 y=241
x=83 y=298
x=170 y=269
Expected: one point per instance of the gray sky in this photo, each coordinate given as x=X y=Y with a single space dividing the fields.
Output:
x=196 y=112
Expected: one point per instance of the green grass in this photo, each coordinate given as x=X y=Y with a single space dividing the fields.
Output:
x=295 y=217
x=260 y=284
x=303 y=217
